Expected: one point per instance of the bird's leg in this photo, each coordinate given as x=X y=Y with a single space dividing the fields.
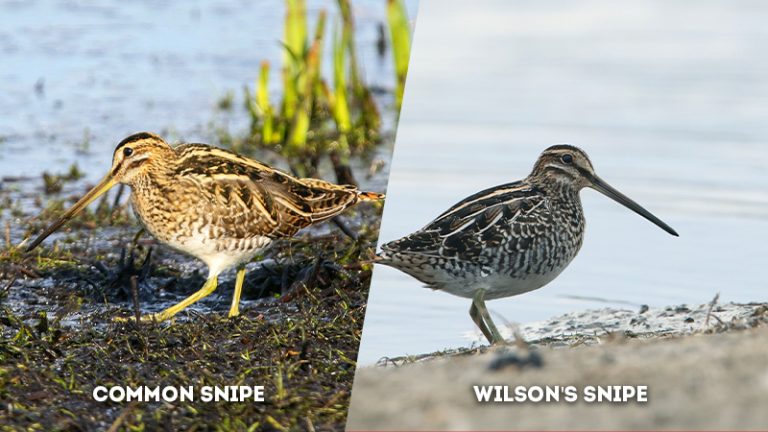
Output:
x=207 y=289
x=475 y=314
x=235 y=309
x=490 y=331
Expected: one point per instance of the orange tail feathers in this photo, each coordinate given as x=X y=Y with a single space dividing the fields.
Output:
x=370 y=196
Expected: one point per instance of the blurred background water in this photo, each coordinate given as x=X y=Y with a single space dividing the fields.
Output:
x=669 y=99
x=78 y=76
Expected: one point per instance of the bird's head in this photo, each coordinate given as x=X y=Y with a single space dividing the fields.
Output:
x=566 y=166
x=134 y=157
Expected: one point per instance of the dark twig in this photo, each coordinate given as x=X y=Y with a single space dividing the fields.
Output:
x=339 y=222
x=135 y=294
x=343 y=171
x=712 y=306
x=304 y=283
x=8 y=234
x=145 y=265
x=28 y=272
x=138 y=235
x=8 y=285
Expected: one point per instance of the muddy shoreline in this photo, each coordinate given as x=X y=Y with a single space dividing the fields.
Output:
x=701 y=373
x=298 y=334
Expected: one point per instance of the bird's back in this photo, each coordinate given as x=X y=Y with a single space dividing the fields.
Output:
x=218 y=197
x=507 y=239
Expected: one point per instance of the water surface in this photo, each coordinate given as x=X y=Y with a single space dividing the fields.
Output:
x=79 y=76
x=669 y=99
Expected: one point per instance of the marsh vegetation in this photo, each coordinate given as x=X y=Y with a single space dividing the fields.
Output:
x=304 y=299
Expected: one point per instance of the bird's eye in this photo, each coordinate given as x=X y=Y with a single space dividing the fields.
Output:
x=567 y=158
x=127 y=151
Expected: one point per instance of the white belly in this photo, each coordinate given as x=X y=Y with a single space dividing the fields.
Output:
x=217 y=254
x=498 y=285
x=221 y=255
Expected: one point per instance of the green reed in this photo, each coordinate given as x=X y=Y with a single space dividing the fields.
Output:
x=401 y=43
x=320 y=116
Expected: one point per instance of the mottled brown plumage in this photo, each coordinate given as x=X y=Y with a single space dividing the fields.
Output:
x=214 y=204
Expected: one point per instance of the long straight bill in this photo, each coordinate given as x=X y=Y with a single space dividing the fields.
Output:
x=104 y=185
x=606 y=189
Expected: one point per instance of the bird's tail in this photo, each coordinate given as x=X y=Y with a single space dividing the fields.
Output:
x=370 y=196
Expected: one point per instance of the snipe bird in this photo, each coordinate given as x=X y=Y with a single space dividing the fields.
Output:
x=509 y=239
x=213 y=204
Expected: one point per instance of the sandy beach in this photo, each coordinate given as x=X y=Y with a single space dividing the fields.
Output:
x=705 y=368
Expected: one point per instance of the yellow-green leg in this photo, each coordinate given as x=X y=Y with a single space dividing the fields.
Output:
x=475 y=314
x=235 y=309
x=479 y=313
x=205 y=291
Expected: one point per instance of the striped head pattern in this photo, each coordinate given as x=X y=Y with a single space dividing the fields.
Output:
x=137 y=154
x=563 y=167
x=564 y=163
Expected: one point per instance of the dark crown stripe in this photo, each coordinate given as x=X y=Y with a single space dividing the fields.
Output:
x=564 y=147
x=136 y=137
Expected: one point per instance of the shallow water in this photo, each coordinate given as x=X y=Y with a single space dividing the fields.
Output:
x=670 y=101
x=78 y=77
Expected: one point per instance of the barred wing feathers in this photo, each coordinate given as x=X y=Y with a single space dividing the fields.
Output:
x=252 y=197
x=485 y=219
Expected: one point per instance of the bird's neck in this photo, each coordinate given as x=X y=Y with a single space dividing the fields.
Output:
x=153 y=177
x=561 y=192
x=555 y=186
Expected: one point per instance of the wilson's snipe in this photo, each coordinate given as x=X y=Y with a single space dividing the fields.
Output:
x=509 y=239
x=213 y=204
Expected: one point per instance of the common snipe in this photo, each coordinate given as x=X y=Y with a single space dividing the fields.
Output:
x=213 y=204
x=509 y=239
